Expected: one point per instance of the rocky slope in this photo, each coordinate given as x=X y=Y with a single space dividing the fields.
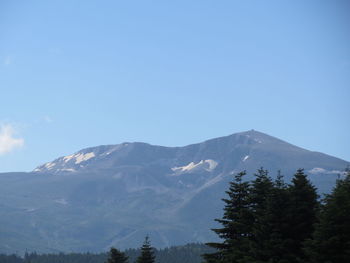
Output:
x=116 y=194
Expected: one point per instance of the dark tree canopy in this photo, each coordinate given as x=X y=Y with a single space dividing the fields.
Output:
x=147 y=252
x=190 y=253
x=265 y=220
x=302 y=213
x=237 y=221
x=266 y=197
x=116 y=256
x=331 y=239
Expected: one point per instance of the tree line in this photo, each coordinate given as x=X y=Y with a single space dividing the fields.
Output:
x=264 y=221
x=269 y=221
x=189 y=253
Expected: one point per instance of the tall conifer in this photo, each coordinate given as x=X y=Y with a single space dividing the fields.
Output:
x=331 y=239
x=116 y=256
x=302 y=212
x=147 y=253
x=271 y=220
x=236 y=225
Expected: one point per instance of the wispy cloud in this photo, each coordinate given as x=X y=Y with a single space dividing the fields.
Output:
x=8 y=141
x=48 y=119
x=8 y=60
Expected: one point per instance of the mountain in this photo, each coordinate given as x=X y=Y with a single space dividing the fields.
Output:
x=116 y=194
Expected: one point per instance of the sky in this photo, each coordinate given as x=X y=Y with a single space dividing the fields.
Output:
x=76 y=74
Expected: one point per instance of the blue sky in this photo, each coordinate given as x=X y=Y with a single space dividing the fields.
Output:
x=75 y=74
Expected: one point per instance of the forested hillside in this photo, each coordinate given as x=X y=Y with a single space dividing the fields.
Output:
x=268 y=220
x=190 y=253
x=264 y=220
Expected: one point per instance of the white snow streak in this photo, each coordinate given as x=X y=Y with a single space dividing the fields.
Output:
x=49 y=166
x=67 y=158
x=83 y=157
x=208 y=165
x=61 y=201
x=319 y=170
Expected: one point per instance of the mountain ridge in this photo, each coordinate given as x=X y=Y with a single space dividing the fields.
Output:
x=114 y=195
x=104 y=152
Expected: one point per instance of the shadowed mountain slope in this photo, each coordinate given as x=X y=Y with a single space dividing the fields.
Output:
x=116 y=194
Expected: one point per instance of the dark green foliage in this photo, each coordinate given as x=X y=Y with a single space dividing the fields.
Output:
x=116 y=256
x=331 y=239
x=265 y=221
x=271 y=226
x=236 y=222
x=147 y=252
x=10 y=259
x=260 y=191
x=55 y=258
x=273 y=229
x=190 y=253
x=302 y=213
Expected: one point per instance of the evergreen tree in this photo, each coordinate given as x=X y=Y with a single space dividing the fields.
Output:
x=331 y=239
x=237 y=221
x=116 y=256
x=302 y=213
x=271 y=243
x=260 y=192
x=10 y=259
x=147 y=253
x=270 y=229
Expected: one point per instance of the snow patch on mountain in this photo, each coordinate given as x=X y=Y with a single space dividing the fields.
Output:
x=319 y=170
x=49 y=165
x=31 y=209
x=112 y=149
x=245 y=158
x=68 y=158
x=81 y=157
x=64 y=164
x=207 y=165
x=66 y=170
x=61 y=201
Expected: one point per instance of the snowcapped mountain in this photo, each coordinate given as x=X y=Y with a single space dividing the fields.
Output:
x=116 y=194
x=247 y=150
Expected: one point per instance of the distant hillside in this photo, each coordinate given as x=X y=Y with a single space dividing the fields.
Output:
x=190 y=253
x=114 y=195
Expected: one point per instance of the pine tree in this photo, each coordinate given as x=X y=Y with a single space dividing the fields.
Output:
x=302 y=213
x=260 y=192
x=237 y=221
x=273 y=228
x=270 y=227
x=331 y=239
x=116 y=256
x=147 y=253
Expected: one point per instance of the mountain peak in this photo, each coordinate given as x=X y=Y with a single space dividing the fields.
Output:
x=244 y=150
x=113 y=187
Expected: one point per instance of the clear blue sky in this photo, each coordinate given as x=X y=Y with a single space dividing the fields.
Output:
x=75 y=74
